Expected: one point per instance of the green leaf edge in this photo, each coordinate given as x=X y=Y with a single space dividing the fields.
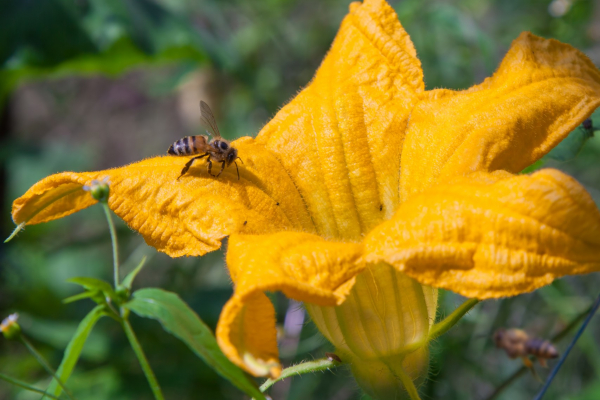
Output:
x=214 y=357
x=128 y=281
x=74 y=348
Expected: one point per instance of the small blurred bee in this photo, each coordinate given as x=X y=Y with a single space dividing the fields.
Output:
x=217 y=150
x=516 y=343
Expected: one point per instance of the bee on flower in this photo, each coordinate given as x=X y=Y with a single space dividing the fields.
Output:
x=368 y=194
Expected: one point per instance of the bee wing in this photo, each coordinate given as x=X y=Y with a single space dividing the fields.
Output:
x=207 y=119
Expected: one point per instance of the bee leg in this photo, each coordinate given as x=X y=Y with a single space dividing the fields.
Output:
x=530 y=366
x=189 y=164
x=527 y=362
x=209 y=167
x=237 y=169
x=543 y=362
x=222 y=168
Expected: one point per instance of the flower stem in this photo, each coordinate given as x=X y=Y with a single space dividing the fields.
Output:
x=409 y=385
x=25 y=386
x=444 y=326
x=44 y=364
x=568 y=350
x=113 y=237
x=135 y=345
x=302 y=368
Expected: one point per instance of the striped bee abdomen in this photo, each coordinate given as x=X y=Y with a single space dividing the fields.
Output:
x=188 y=146
x=541 y=348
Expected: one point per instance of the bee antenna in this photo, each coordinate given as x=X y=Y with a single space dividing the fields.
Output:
x=240 y=160
x=237 y=169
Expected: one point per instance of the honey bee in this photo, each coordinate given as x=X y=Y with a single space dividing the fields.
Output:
x=517 y=343
x=216 y=150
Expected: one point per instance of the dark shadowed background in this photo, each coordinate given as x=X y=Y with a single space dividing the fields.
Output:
x=93 y=84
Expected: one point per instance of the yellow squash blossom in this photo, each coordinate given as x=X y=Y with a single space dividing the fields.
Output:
x=366 y=192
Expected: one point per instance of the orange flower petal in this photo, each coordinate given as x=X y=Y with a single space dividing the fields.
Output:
x=542 y=90
x=340 y=139
x=303 y=266
x=181 y=217
x=493 y=235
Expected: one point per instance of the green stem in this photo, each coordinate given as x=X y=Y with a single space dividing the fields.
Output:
x=135 y=345
x=302 y=368
x=409 y=385
x=113 y=237
x=45 y=364
x=444 y=326
x=25 y=386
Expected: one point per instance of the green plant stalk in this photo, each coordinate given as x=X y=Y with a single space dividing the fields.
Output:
x=113 y=238
x=444 y=326
x=135 y=345
x=302 y=368
x=409 y=385
x=25 y=386
x=44 y=364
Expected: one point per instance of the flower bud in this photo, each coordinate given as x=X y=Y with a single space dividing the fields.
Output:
x=99 y=189
x=9 y=327
x=381 y=330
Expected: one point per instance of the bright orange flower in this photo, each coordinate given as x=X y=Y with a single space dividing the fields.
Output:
x=365 y=188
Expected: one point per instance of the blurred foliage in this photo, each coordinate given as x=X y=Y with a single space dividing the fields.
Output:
x=62 y=37
x=246 y=59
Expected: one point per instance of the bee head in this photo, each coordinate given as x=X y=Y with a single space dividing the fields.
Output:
x=499 y=336
x=231 y=156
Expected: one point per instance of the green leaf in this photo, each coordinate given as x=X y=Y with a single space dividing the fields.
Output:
x=73 y=350
x=128 y=281
x=24 y=385
x=80 y=296
x=94 y=285
x=177 y=318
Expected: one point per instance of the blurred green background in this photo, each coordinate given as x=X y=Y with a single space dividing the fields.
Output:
x=92 y=84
